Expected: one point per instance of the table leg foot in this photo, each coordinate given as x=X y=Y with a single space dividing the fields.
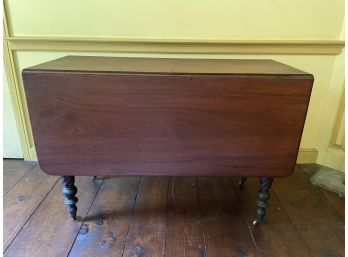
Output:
x=242 y=181
x=262 y=198
x=69 y=192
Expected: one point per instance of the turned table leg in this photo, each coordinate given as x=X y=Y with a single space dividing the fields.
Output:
x=69 y=192
x=242 y=181
x=262 y=198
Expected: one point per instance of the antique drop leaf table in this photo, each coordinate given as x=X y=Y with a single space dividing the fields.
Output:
x=166 y=117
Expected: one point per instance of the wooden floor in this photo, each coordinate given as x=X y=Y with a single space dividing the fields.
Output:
x=167 y=216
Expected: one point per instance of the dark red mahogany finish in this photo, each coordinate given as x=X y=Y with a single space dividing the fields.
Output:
x=138 y=116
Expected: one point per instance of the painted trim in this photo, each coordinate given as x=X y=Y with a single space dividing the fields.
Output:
x=338 y=121
x=307 y=155
x=33 y=155
x=24 y=130
x=335 y=158
x=17 y=96
x=175 y=46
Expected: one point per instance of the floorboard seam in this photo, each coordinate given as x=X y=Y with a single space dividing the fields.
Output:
x=274 y=194
x=83 y=220
x=131 y=218
x=165 y=231
x=246 y=220
x=31 y=215
x=20 y=180
x=205 y=254
x=322 y=194
x=333 y=207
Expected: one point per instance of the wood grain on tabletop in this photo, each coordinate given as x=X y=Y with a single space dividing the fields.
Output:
x=167 y=65
x=166 y=124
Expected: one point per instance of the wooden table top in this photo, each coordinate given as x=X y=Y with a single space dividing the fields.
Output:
x=167 y=65
x=140 y=116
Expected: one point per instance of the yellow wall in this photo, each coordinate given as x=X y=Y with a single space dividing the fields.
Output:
x=11 y=143
x=220 y=19
x=305 y=34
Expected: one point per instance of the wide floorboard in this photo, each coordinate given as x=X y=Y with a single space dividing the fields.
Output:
x=168 y=216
